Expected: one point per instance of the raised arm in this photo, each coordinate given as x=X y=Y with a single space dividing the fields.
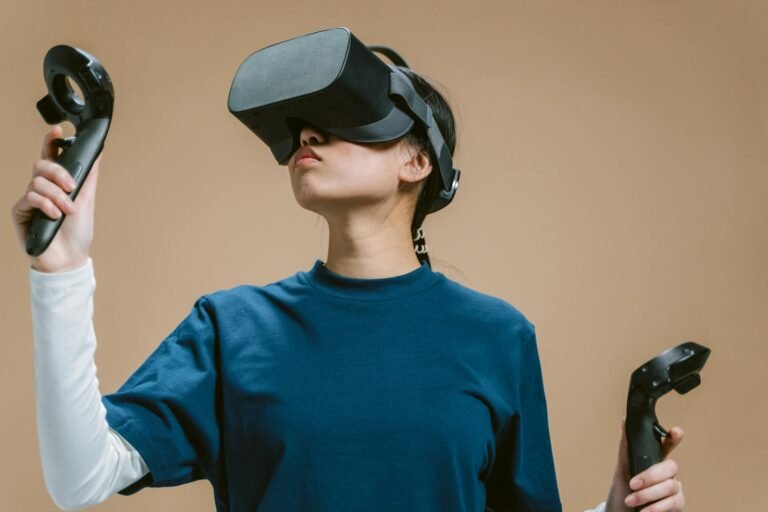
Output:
x=84 y=461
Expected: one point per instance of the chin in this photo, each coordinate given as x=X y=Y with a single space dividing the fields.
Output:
x=309 y=200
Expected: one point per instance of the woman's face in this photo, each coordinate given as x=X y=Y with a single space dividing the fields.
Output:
x=347 y=174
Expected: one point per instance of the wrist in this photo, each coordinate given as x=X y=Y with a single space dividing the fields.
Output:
x=619 y=490
x=61 y=268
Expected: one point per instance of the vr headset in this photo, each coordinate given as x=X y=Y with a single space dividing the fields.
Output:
x=332 y=81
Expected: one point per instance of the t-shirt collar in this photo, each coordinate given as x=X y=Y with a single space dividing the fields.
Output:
x=382 y=288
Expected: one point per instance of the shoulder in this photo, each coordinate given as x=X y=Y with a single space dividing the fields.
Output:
x=283 y=286
x=496 y=312
x=243 y=310
x=250 y=295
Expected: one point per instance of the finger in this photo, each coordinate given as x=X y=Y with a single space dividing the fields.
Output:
x=653 y=493
x=55 y=173
x=49 y=150
x=654 y=474
x=53 y=192
x=33 y=200
x=672 y=440
x=674 y=503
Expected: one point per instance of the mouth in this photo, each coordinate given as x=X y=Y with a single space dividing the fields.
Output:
x=306 y=156
x=306 y=160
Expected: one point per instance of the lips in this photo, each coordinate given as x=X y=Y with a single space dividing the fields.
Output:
x=306 y=153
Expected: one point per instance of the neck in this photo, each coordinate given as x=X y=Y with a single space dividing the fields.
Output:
x=369 y=249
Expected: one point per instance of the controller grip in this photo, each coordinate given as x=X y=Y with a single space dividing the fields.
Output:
x=642 y=440
x=77 y=160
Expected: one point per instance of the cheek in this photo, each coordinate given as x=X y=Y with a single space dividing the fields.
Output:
x=367 y=170
x=348 y=171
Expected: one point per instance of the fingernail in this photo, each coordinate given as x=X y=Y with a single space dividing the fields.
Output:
x=636 y=483
x=630 y=500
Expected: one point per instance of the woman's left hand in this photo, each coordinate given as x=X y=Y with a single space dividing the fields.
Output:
x=657 y=484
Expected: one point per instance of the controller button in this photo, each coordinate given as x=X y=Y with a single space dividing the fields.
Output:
x=643 y=463
x=75 y=170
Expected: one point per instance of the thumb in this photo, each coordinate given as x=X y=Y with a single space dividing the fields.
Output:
x=622 y=464
x=623 y=442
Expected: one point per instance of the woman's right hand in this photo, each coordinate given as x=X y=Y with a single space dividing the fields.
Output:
x=49 y=191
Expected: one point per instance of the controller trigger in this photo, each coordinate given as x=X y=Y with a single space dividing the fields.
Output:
x=64 y=143
x=660 y=431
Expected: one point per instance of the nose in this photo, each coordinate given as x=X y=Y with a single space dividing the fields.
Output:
x=310 y=135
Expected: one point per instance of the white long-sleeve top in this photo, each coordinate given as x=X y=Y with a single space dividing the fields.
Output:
x=84 y=460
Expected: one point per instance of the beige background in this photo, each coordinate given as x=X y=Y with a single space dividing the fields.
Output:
x=614 y=159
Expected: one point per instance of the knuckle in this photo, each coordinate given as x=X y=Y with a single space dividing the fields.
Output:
x=650 y=476
x=61 y=174
x=673 y=466
x=55 y=211
x=49 y=167
x=64 y=198
x=48 y=205
x=40 y=168
x=38 y=182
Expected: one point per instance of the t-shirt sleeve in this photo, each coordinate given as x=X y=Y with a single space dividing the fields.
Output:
x=168 y=409
x=523 y=478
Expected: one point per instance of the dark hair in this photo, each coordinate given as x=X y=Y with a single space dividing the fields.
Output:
x=417 y=137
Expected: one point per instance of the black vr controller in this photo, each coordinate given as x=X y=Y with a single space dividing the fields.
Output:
x=677 y=368
x=91 y=116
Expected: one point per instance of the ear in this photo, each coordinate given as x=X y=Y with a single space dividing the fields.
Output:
x=416 y=166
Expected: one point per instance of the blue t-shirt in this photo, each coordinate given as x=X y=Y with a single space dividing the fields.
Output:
x=326 y=393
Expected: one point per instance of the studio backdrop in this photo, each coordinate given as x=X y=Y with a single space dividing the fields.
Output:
x=614 y=159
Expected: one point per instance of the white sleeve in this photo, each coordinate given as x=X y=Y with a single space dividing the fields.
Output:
x=599 y=508
x=84 y=460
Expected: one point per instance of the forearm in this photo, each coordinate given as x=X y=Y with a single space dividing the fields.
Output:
x=84 y=461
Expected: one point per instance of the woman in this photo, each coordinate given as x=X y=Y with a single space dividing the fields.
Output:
x=368 y=382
